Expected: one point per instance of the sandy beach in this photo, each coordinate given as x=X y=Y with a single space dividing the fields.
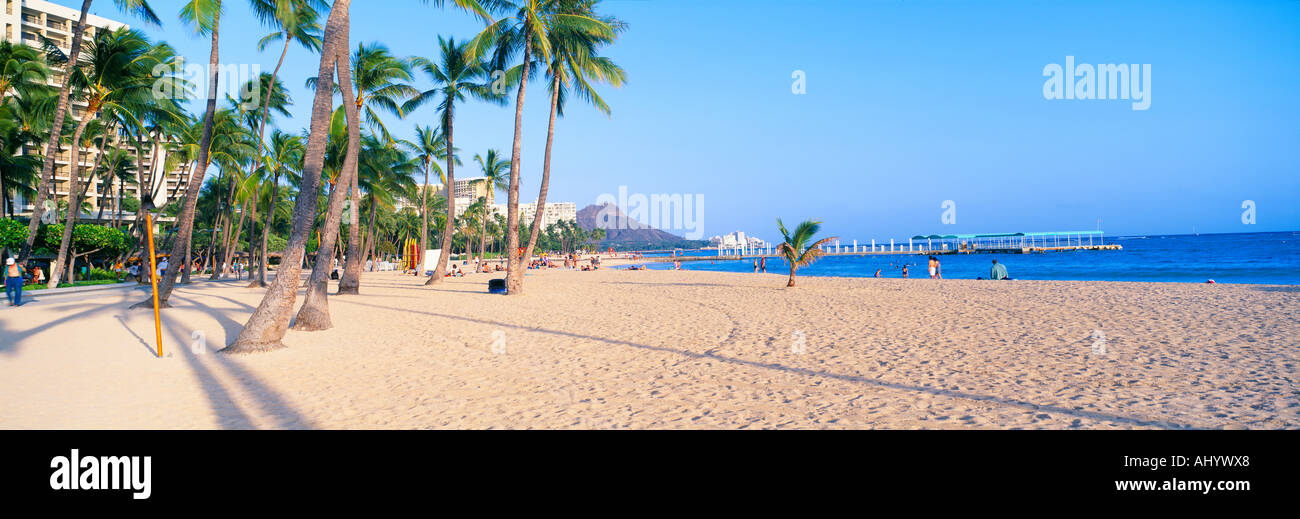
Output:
x=665 y=349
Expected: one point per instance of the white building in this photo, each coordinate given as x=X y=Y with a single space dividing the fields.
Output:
x=553 y=213
x=736 y=240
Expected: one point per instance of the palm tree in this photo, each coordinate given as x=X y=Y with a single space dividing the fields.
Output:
x=494 y=169
x=381 y=81
x=114 y=75
x=386 y=172
x=429 y=147
x=295 y=20
x=274 y=98
x=269 y=322
x=574 y=64
x=141 y=9
x=314 y=314
x=22 y=70
x=285 y=155
x=118 y=167
x=205 y=16
x=455 y=75
x=527 y=30
x=796 y=248
x=18 y=172
x=266 y=327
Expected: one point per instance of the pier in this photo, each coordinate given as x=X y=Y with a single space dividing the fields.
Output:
x=931 y=245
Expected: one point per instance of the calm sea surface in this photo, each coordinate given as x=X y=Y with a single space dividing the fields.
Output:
x=1262 y=258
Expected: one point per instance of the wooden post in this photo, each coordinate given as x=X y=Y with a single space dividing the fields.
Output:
x=153 y=280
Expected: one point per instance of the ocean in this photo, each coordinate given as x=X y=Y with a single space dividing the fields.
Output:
x=1257 y=258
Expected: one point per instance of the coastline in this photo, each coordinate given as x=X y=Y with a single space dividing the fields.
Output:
x=673 y=349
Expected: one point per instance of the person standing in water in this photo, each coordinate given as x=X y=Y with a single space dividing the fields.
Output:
x=763 y=264
x=904 y=271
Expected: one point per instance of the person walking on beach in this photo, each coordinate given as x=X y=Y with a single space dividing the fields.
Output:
x=14 y=274
x=999 y=271
x=934 y=268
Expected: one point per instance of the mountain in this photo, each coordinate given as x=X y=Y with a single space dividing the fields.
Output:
x=625 y=233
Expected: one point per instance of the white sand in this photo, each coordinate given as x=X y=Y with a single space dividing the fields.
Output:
x=663 y=349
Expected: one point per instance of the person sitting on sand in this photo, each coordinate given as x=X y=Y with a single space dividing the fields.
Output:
x=999 y=271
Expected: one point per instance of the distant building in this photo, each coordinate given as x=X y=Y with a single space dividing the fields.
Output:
x=553 y=213
x=737 y=239
x=467 y=191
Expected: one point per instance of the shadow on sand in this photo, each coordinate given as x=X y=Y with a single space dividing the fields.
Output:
x=1077 y=413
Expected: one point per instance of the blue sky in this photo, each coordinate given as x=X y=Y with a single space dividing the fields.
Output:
x=908 y=103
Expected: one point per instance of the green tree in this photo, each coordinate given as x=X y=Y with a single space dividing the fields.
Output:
x=455 y=75
x=527 y=30
x=141 y=9
x=573 y=67
x=798 y=249
x=115 y=75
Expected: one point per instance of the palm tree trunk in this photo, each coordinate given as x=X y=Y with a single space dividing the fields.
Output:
x=74 y=202
x=546 y=170
x=515 y=265
x=350 y=281
x=424 y=222
x=55 y=137
x=185 y=220
x=314 y=314
x=266 y=232
x=449 y=187
x=792 y=269
x=268 y=324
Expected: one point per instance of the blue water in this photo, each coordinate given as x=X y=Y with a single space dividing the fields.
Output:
x=1261 y=258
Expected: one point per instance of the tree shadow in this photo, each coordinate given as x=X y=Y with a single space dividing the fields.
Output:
x=271 y=401
x=1078 y=413
x=12 y=339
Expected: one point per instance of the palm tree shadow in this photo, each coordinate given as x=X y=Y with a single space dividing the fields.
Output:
x=270 y=401
x=11 y=341
x=1078 y=413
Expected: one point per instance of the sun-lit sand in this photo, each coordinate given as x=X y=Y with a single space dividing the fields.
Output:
x=663 y=349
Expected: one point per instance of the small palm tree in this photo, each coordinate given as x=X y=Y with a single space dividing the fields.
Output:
x=796 y=249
